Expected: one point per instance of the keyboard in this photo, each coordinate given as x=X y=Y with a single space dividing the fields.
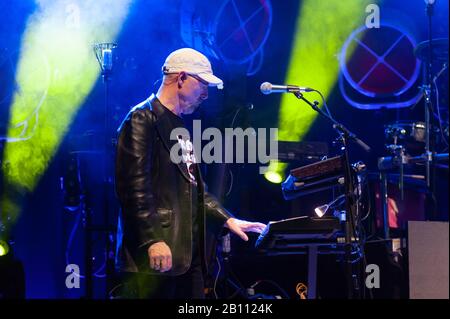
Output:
x=299 y=229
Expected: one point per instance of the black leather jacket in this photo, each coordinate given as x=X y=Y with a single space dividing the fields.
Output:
x=155 y=194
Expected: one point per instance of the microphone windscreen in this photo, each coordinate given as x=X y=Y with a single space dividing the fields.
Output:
x=266 y=88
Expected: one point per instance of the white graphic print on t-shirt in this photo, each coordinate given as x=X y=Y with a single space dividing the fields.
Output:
x=187 y=151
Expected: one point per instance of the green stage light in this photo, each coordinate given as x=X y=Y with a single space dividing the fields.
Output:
x=4 y=248
x=273 y=177
x=275 y=172
x=56 y=71
x=321 y=30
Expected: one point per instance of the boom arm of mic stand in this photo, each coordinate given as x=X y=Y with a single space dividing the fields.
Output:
x=336 y=125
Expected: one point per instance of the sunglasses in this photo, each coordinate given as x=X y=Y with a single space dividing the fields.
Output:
x=198 y=79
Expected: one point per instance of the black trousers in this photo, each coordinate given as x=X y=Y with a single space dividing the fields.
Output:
x=144 y=286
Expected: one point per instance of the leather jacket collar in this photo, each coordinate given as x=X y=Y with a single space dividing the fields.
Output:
x=164 y=128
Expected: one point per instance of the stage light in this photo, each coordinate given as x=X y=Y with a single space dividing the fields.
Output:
x=275 y=172
x=4 y=248
x=321 y=210
x=322 y=27
x=273 y=177
x=55 y=73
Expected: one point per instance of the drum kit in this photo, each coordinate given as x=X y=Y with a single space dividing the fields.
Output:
x=424 y=143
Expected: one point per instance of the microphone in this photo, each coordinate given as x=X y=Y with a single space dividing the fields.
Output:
x=268 y=88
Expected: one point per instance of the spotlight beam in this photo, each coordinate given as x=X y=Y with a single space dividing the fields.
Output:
x=322 y=27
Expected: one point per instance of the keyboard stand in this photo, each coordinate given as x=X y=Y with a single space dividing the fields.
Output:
x=313 y=250
x=312 y=271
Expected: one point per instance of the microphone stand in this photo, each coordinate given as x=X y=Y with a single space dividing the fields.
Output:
x=105 y=53
x=428 y=93
x=350 y=202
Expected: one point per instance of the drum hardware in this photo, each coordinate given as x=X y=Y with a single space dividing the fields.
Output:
x=430 y=51
x=399 y=160
x=411 y=135
x=414 y=142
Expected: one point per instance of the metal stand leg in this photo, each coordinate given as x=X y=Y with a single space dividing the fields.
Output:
x=312 y=271
x=384 y=201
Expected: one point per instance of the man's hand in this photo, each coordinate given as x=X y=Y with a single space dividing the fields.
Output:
x=160 y=257
x=239 y=227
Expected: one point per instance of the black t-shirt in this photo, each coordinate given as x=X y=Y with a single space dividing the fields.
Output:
x=192 y=169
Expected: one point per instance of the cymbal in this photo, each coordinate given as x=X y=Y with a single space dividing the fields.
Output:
x=440 y=50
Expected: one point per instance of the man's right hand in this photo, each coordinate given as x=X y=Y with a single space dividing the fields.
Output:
x=160 y=257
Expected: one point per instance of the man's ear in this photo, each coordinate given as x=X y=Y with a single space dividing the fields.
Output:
x=181 y=78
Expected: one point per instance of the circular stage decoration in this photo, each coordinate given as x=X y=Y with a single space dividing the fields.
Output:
x=380 y=62
x=233 y=31
x=241 y=28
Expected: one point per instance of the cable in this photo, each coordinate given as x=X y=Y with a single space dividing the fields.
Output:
x=335 y=200
x=235 y=115
x=412 y=107
x=239 y=285
x=230 y=271
x=155 y=84
x=238 y=290
x=231 y=172
x=324 y=103
x=69 y=242
x=286 y=295
x=368 y=200
x=69 y=246
x=217 y=277
x=231 y=183
x=113 y=289
x=439 y=112
x=302 y=290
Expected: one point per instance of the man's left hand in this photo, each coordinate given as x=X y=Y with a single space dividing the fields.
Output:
x=240 y=227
